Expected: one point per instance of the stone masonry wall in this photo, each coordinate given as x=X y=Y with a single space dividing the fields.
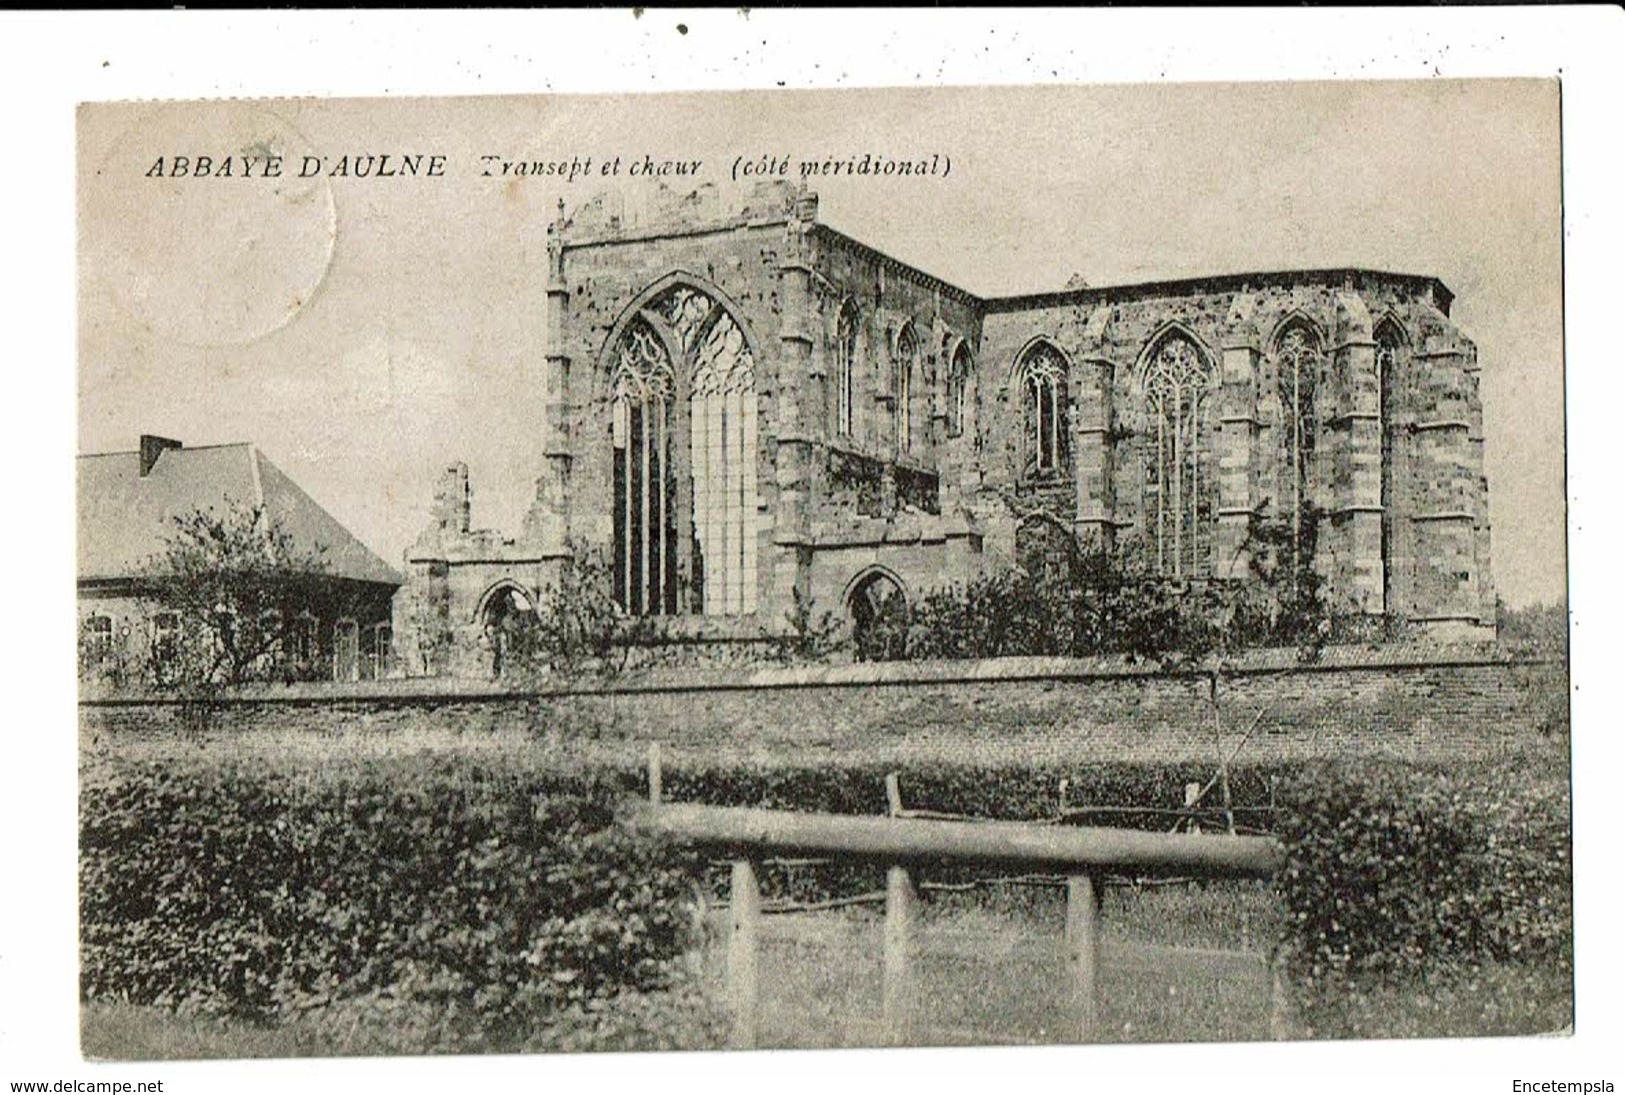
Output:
x=1010 y=711
x=1396 y=468
x=1438 y=529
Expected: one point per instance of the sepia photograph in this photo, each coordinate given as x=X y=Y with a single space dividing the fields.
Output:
x=854 y=568
x=691 y=549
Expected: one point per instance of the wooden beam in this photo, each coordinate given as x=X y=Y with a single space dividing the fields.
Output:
x=907 y=840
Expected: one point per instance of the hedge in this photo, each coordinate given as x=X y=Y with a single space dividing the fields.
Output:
x=1399 y=875
x=498 y=899
x=497 y=905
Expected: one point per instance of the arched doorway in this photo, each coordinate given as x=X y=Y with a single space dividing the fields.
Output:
x=506 y=613
x=878 y=609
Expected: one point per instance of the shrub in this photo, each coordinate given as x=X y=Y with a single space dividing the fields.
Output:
x=1537 y=631
x=238 y=584
x=1084 y=601
x=488 y=900
x=576 y=627
x=497 y=906
x=1397 y=874
x=808 y=635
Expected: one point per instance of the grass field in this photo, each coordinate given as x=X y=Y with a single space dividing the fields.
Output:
x=991 y=972
x=1179 y=963
x=990 y=976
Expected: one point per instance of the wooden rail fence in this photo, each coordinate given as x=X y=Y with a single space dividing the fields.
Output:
x=905 y=844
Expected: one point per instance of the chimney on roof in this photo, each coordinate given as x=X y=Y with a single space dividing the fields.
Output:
x=151 y=447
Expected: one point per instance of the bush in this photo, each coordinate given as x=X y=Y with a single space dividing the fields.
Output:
x=1396 y=874
x=497 y=907
x=1084 y=601
x=1537 y=631
x=487 y=901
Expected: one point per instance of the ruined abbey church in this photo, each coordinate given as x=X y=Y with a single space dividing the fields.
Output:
x=740 y=407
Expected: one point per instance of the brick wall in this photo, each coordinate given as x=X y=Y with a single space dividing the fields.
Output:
x=1358 y=703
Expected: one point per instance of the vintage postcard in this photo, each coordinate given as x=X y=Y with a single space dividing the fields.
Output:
x=822 y=569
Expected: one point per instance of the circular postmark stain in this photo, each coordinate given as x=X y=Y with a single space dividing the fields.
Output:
x=199 y=226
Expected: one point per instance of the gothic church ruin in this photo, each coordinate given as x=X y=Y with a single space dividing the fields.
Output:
x=739 y=407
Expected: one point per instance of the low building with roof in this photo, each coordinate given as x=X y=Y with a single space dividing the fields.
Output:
x=128 y=503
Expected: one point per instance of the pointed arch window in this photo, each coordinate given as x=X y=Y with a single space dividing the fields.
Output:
x=643 y=394
x=1042 y=379
x=958 y=390
x=846 y=356
x=1177 y=385
x=684 y=433
x=906 y=364
x=1390 y=345
x=1298 y=363
x=722 y=410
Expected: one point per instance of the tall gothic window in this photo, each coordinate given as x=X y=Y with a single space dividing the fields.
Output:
x=722 y=408
x=958 y=389
x=1390 y=344
x=644 y=395
x=906 y=364
x=1176 y=384
x=846 y=356
x=1297 y=359
x=1042 y=377
x=684 y=433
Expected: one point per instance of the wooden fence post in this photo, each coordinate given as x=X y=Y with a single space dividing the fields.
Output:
x=744 y=915
x=1280 y=1006
x=704 y=931
x=1083 y=951
x=655 y=776
x=894 y=795
x=897 y=986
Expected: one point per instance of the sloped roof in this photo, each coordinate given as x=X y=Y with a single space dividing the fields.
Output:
x=124 y=518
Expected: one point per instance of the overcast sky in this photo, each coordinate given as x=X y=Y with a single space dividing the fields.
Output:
x=365 y=332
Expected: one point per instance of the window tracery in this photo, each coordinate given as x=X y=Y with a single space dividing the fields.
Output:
x=1176 y=385
x=1298 y=363
x=1042 y=378
x=684 y=434
x=846 y=353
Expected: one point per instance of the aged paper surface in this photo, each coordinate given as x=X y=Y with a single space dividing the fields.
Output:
x=401 y=248
x=358 y=287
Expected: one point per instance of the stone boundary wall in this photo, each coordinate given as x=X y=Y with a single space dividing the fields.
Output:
x=1354 y=702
